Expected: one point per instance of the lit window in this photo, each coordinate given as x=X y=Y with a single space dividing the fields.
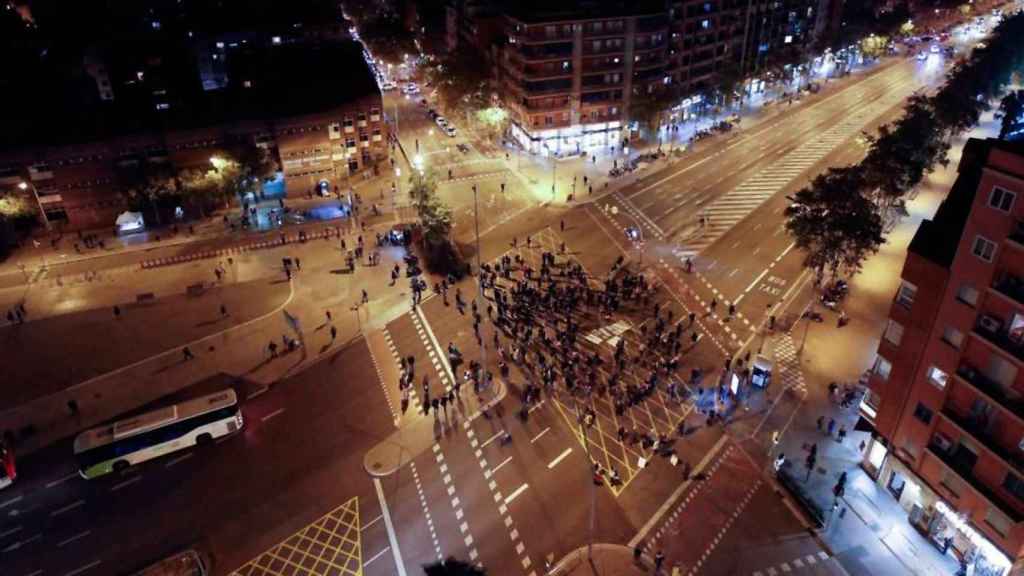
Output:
x=1001 y=199
x=937 y=377
x=894 y=332
x=984 y=248
x=906 y=294
x=967 y=294
x=882 y=368
x=953 y=337
x=705 y=24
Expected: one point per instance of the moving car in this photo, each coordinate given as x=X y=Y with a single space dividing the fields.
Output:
x=388 y=86
x=411 y=88
x=922 y=55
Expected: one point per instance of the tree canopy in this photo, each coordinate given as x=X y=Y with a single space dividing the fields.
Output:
x=461 y=80
x=435 y=215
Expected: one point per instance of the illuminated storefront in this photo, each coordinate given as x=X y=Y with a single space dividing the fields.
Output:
x=569 y=140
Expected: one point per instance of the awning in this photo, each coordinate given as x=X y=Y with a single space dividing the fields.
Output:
x=864 y=425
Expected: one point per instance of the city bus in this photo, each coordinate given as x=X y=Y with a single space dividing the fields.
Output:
x=115 y=447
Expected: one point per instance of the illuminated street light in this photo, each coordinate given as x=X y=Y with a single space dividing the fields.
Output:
x=35 y=193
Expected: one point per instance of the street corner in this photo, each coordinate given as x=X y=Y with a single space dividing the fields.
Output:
x=602 y=559
x=386 y=458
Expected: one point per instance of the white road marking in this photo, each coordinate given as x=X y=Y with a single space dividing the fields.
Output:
x=515 y=494
x=542 y=432
x=181 y=458
x=78 y=536
x=21 y=543
x=82 y=569
x=272 y=414
x=399 y=563
x=11 y=501
x=14 y=530
x=377 y=555
x=498 y=467
x=371 y=523
x=71 y=506
x=491 y=439
x=559 y=458
x=127 y=482
x=61 y=480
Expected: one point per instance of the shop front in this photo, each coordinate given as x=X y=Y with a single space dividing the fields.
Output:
x=939 y=524
x=570 y=140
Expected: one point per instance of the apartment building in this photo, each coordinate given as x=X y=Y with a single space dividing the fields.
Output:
x=570 y=74
x=946 y=395
x=321 y=128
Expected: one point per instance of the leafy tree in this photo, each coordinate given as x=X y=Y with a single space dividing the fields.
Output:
x=461 y=80
x=254 y=166
x=202 y=187
x=386 y=37
x=1011 y=108
x=15 y=203
x=145 y=183
x=834 y=223
x=648 y=107
x=494 y=120
x=452 y=567
x=435 y=215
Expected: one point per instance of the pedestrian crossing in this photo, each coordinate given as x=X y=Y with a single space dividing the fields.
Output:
x=787 y=364
x=728 y=210
x=808 y=561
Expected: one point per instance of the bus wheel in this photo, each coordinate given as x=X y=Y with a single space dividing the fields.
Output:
x=120 y=466
x=204 y=439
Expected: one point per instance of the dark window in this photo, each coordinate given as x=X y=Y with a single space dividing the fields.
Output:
x=923 y=413
x=1014 y=485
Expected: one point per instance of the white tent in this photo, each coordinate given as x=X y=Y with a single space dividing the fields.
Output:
x=129 y=222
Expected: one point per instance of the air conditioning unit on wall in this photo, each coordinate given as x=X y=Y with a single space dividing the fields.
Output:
x=990 y=323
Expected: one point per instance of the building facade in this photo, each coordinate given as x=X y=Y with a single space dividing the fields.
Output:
x=946 y=395
x=315 y=143
x=569 y=76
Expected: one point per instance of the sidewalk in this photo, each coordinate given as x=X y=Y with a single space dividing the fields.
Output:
x=56 y=250
x=604 y=560
x=869 y=531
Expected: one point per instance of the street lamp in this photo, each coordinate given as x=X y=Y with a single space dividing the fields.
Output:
x=35 y=193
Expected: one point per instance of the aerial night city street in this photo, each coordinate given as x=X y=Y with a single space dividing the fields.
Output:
x=512 y=287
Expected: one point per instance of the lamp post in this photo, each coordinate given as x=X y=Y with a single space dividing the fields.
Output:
x=23 y=185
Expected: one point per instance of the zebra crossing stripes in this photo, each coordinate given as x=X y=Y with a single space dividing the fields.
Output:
x=729 y=209
x=788 y=364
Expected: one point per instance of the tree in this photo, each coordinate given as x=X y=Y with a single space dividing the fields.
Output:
x=834 y=223
x=1011 y=108
x=461 y=80
x=452 y=567
x=494 y=120
x=435 y=215
x=648 y=107
x=16 y=203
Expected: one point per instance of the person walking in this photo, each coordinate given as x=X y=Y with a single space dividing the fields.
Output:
x=561 y=225
x=117 y=312
x=223 y=311
x=187 y=353
x=366 y=297
x=638 y=551
x=842 y=434
x=821 y=423
x=334 y=333
x=659 y=559
x=831 y=426
x=329 y=317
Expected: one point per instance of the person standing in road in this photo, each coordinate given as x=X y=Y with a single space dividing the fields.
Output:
x=831 y=426
x=366 y=297
x=638 y=551
x=334 y=333
x=659 y=559
x=187 y=353
x=223 y=311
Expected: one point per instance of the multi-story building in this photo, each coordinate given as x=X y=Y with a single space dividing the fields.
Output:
x=289 y=99
x=570 y=74
x=946 y=394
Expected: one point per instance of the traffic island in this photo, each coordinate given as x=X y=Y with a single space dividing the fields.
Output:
x=417 y=431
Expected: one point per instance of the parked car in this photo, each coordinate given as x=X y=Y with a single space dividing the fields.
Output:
x=410 y=89
x=388 y=86
x=450 y=130
x=441 y=121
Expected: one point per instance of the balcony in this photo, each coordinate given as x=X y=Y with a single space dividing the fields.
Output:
x=964 y=469
x=991 y=389
x=1016 y=237
x=545 y=104
x=546 y=51
x=1010 y=286
x=998 y=336
x=978 y=428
